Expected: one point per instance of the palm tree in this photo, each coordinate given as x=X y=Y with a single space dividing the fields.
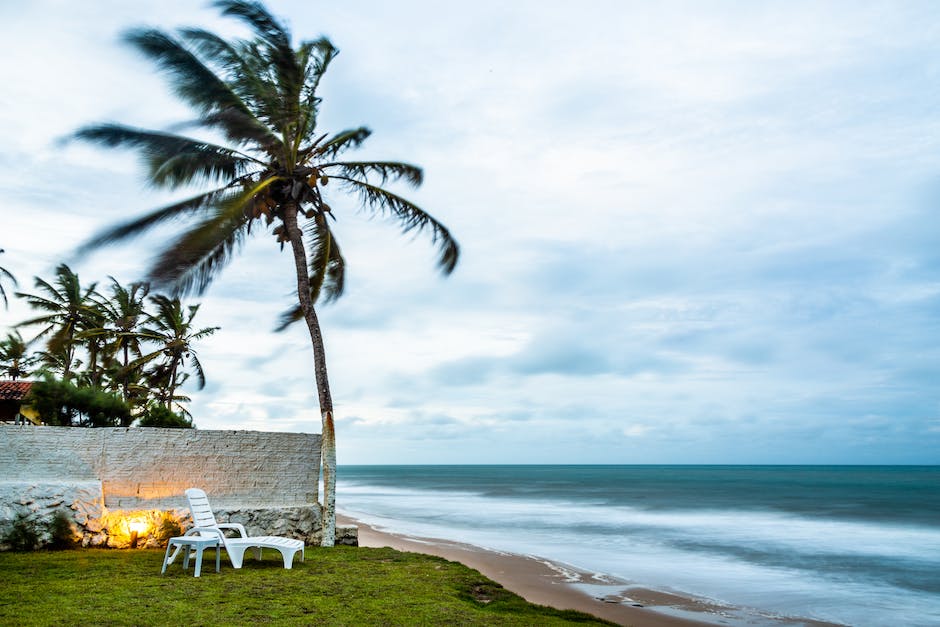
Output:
x=5 y=273
x=122 y=315
x=261 y=96
x=15 y=360
x=68 y=310
x=174 y=334
x=95 y=344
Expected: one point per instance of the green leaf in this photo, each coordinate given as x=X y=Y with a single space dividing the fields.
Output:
x=387 y=170
x=138 y=226
x=410 y=216
x=190 y=263
x=341 y=142
x=191 y=79
x=172 y=160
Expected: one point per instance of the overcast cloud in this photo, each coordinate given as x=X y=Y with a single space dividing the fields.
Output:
x=692 y=232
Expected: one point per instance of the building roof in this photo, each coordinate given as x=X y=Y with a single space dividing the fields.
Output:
x=14 y=390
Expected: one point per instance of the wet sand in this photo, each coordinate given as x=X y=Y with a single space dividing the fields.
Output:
x=563 y=587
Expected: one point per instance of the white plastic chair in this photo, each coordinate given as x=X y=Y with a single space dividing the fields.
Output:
x=205 y=524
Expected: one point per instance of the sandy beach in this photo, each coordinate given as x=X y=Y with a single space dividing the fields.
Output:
x=563 y=587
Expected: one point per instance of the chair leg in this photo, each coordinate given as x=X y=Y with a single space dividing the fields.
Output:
x=176 y=550
x=187 y=550
x=167 y=559
x=236 y=554
x=288 y=556
x=199 y=549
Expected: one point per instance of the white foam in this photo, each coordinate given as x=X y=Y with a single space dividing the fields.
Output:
x=662 y=549
x=777 y=531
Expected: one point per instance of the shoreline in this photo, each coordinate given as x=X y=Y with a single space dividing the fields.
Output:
x=544 y=582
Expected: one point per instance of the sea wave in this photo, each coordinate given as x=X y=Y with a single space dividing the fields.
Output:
x=850 y=571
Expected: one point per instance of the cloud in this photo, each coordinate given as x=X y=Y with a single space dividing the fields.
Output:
x=710 y=230
x=636 y=430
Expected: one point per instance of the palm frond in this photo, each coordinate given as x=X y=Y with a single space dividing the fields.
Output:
x=327 y=265
x=197 y=165
x=191 y=79
x=172 y=160
x=246 y=77
x=138 y=226
x=8 y=275
x=260 y=85
x=49 y=320
x=245 y=129
x=146 y=359
x=35 y=301
x=314 y=57
x=204 y=333
x=264 y=25
x=3 y=293
x=56 y=299
x=276 y=50
x=287 y=318
x=351 y=138
x=190 y=263
x=200 y=374
x=40 y=303
x=387 y=170
x=411 y=217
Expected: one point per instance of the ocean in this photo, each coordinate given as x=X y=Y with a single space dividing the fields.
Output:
x=858 y=545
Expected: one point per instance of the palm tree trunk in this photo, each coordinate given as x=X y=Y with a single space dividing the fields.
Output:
x=67 y=370
x=171 y=386
x=126 y=375
x=328 y=435
x=93 y=359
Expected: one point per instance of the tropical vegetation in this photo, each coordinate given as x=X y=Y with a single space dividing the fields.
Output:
x=65 y=403
x=15 y=358
x=105 y=359
x=5 y=274
x=264 y=166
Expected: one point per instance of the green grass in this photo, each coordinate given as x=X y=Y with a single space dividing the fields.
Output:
x=338 y=586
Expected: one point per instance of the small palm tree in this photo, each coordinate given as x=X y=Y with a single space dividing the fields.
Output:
x=15 y=360
x=174 y=334
x=5 y=273
x=68 y=310
x=275 y=176
x=95 y=345
x=123 y=313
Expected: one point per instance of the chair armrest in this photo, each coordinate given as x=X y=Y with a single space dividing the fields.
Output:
x=240 y=528
x=210 y=530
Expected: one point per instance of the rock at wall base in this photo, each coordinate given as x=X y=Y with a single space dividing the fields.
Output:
x=347 y=536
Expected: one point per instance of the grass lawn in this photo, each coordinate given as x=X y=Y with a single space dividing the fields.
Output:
x=338 y=586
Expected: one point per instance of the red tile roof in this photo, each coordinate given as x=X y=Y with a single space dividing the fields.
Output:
x=14 y=390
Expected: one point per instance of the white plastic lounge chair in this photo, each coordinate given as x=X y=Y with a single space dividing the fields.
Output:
x=205 y=525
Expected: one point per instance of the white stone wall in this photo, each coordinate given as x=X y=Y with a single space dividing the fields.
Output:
x=41 y=499
x=148 y=468
x=99 y=477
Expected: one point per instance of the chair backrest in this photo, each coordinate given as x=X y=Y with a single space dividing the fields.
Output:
x=200 y=509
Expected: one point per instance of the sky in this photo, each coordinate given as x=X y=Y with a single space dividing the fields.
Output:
x=691 y=232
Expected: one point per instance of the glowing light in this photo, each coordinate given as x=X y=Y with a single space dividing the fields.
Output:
x=138 y=526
